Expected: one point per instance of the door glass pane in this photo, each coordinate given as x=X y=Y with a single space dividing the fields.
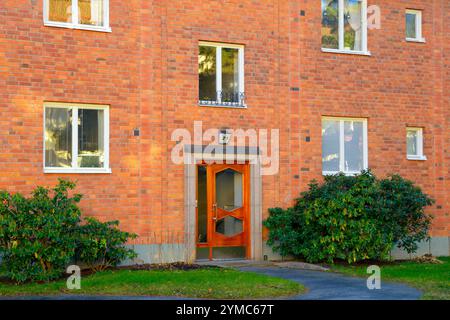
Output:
x=229 y=190
x=330 y=24
x=353 y=146
x=90 y=12
x=330 y=145
x=201 y=205
x=60 y=10
x=207 y=73
x=229 y=226
x=353 y=25
x=411 y=26
x=90 y=138
x=230 y=75
x=58 y=137
x=411 y=142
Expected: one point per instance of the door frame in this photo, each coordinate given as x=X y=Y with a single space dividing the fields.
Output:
x=194 y=155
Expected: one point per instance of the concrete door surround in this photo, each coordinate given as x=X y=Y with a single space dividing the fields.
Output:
x=195 y=155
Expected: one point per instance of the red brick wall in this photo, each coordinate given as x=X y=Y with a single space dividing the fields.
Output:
x=146 y=70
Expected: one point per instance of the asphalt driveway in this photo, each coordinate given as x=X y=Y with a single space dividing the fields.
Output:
x=335 y=286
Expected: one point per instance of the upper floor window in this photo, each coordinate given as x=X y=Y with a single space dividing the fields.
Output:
x=77 y=14
x=76 y=138
x=344 y=26
x=221 y=74
x=344 y=145
x=414 y=144
x=414 y=26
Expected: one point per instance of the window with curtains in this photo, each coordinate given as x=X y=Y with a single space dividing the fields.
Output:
x=414 y=144
x=76 y=138
x=344 y=145
x=77 y=14
x=221 y=75
x=344 y=26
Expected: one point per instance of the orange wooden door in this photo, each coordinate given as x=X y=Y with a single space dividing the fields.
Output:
x=228 y=200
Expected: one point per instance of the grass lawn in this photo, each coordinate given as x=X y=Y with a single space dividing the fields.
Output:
x=432 y=279
x=211 y=283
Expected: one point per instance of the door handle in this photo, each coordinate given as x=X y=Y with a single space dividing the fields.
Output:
x=215 y=211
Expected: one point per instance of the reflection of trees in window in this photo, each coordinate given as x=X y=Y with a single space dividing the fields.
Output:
x=207 y=73
x=330 y=24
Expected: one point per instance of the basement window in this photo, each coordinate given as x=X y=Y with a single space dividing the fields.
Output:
x=76 y=138
x=77 y=14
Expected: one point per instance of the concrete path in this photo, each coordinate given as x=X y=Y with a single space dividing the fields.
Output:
x=335 y=286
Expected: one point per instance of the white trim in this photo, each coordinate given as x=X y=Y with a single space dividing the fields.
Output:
x=342 y=144
x=361 y=53
x=419 y=142
x=75 y=24
x=75 y=107
x=77 y=170
x=241 y=70
x=341 y=32
x=419 y=36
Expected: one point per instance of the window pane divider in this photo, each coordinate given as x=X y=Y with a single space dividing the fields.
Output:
x=74 y=137
x=341 y=25
x=219 y=74
x=75 y=12
x=341 y=146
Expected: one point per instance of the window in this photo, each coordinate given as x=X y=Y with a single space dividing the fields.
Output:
x=76 y=138
x=344 y=145
x=77 y=14
x=221 y=75
x=414 y=144
x=344 y=26
x=414 y=26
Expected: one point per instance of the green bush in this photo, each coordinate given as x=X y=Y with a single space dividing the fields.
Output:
x=40 y=235
x=353 y=218
x=101 y=245
x=37 y=235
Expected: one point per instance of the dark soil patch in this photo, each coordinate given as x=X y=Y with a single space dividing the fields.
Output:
x=166 y=266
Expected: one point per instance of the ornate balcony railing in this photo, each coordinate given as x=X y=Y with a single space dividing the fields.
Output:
x=225 y=99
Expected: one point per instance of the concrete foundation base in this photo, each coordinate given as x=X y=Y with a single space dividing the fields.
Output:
x=169 y=253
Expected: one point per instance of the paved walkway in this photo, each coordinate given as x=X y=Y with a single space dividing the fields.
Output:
x=335 y=286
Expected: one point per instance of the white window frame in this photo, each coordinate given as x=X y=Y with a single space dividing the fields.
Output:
x=342 y=145
x=75 y=107
x=75 y=24
x=419 y=142
x=364 y=44
x=418 y=14
x=219 y=46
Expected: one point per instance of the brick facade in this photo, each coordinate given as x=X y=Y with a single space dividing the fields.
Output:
x=146 y=71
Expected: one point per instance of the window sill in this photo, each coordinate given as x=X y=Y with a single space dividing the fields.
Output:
x=360 y=53
x=331 y=173
x=77 y=26
x=417 y=158
x=229 y=106
x=78 y=170
x=416 y=40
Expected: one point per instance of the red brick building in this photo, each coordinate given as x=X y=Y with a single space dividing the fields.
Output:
x=95 y=91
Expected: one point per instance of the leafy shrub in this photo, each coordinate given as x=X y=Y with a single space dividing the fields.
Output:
x=101 y=245
x=37 y=235
x=352 y=218
x=40 y=235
